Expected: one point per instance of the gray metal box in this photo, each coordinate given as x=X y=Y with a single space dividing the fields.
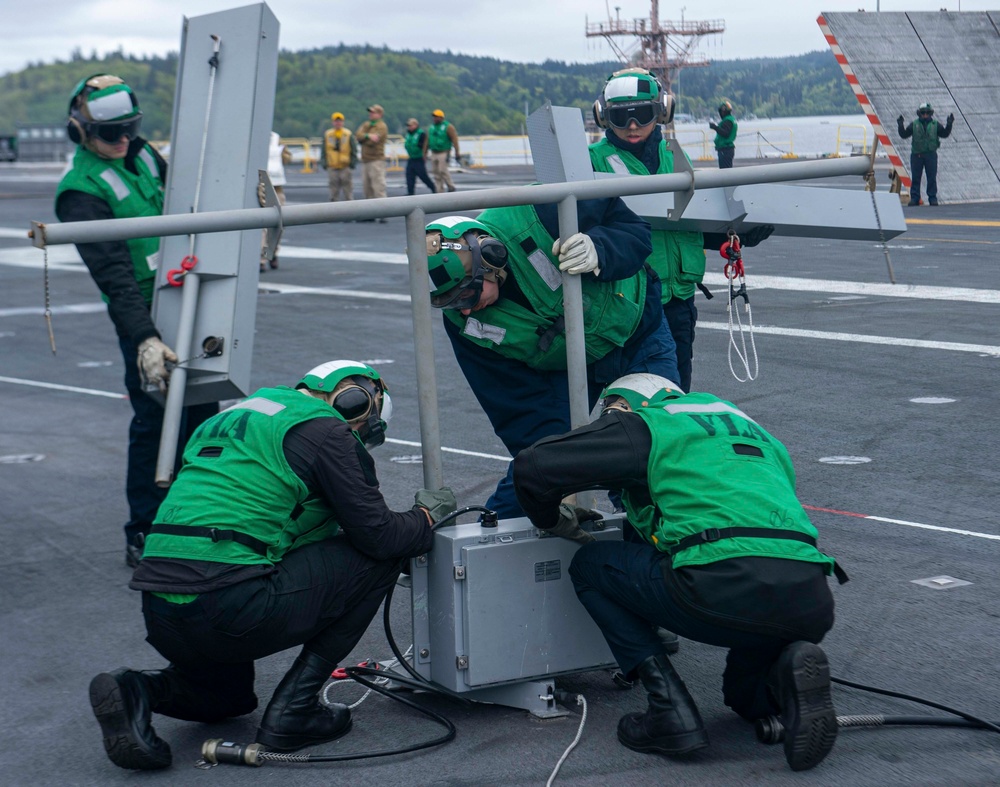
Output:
x=496 y=606
x=235 y=138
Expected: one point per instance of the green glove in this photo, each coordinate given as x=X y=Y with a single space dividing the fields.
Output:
x=568 y=525
x=439 y=503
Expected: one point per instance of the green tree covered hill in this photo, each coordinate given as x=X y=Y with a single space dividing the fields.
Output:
x=481 y=95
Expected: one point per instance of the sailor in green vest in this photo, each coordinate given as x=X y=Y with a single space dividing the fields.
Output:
x=927 y=134
x=274 y=535
x=725 y=134
x=441 y=138
x=498 y=279
x=630 y=107
x=115 y=174
x=415 y=143
x=728 y=558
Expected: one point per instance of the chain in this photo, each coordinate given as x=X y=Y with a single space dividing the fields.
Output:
x=881 y=237
x=870 y=187
x=48 y=306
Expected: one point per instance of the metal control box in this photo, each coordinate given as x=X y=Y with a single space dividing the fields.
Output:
x=496 y=605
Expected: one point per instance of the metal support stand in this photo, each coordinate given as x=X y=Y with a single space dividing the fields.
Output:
x=536 y=697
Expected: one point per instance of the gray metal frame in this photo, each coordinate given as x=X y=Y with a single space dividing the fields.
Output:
x=414 y=209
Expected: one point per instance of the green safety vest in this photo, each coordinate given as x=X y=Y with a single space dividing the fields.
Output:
x=925 y=138
x=412 y=144
x=437 y=137
x=128 y=195
x=705 y=448
x=728 y=141
x=235 y=478
x=678 y=257
x=537 y=336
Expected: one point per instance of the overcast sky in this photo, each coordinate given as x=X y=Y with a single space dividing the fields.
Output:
x=517 y=30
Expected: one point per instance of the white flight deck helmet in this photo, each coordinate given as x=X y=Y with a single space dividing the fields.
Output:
x=359 y=395
x=635 y=391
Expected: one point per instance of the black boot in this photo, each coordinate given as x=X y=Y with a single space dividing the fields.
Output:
x=671 y=642
x=671 y=723
x=123 y=701
x=800 y=680
x=294 y=717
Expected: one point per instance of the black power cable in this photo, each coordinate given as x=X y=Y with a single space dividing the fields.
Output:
x=770 y=730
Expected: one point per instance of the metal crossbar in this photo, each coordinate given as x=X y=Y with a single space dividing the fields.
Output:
x=414 y=209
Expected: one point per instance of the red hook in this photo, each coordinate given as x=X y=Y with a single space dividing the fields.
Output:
x=176 y=276
x=731 y=250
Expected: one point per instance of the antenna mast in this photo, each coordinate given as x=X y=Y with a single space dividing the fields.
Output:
x=664 y=47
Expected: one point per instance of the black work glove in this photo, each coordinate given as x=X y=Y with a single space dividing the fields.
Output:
x=751 y=238
x=951 y=118
x=900 y=120
x=568 y=526
x=438 y=502
x=713 y=126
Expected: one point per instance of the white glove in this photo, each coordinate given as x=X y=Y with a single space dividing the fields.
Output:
x=153 y=357
x=577 y=255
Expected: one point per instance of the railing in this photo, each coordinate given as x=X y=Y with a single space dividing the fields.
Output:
x=311 y=150
x=414 y=209
x=845 y=138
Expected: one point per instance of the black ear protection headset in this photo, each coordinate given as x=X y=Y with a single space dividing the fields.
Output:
x=79 y=128
x=358 y=404
x=662 y=107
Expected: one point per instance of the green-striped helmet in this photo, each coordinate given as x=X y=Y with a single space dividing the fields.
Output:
x=461 y=253
x=637 y=391
x=633 y=94
x=359 y=395
x=103 y=106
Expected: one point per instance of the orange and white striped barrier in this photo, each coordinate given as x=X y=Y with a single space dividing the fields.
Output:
x=866 y=105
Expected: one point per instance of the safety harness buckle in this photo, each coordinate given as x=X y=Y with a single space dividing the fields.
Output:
x=710 y=535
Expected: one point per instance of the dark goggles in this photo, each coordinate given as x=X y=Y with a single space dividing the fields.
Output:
x=925 y=112
x=111 y=132
x=642 y=114
x=462 y=296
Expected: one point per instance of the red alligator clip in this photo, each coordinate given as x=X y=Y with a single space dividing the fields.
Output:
x=341 y=672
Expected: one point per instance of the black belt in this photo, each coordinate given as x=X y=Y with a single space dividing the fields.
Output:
x=214 y=533
x=714 y=534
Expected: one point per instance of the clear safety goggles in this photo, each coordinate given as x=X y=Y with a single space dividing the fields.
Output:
x=642 y=114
